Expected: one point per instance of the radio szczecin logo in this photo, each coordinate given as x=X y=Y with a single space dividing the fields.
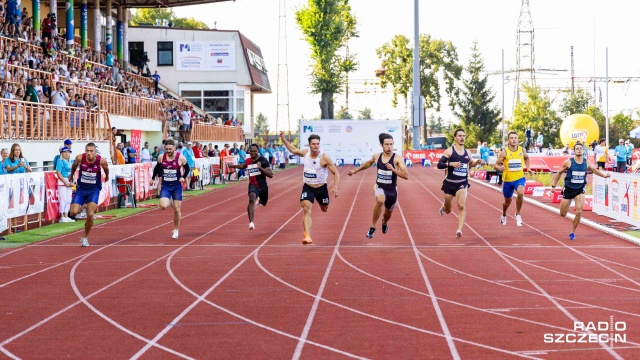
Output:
x=600 y=332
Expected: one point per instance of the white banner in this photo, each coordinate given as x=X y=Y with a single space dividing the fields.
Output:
x=617 y=197
x=206 y=56
x=21 y=194
x=351 y=139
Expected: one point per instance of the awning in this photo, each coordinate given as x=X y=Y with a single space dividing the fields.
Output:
x=635 y=133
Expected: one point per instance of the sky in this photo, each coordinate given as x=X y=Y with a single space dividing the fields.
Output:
x=589 y=26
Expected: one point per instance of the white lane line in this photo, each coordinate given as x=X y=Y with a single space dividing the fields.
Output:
x=531 y=281
x=434 y=301
x=316 y=301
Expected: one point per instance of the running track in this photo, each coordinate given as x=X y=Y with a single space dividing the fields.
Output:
x=223 y=291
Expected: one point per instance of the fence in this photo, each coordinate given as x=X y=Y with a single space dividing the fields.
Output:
x=30 y=200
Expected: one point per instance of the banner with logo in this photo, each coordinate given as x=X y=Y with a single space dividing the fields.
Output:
x=351 y=140
x=136 y=140
x=142 y=177
x=206 y=56
x=51 y=181
x=416 y=156
x=3 y=204
x=617 y=197
x=22 y=194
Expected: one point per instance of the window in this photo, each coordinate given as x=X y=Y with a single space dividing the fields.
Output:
x=165 y=53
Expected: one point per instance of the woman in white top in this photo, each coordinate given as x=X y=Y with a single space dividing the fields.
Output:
x=316 y=164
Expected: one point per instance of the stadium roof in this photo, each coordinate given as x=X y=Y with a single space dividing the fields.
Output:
x=161 y=3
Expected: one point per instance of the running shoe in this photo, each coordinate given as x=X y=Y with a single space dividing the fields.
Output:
x=458 y=234
x=84 y=242
x=441 y=211
x=307 y=240
x=518 y=220
x=503 y=219
x=370 y=232
x=251 y=226
x=385 y=228
x=174 y=234
x=572 y=236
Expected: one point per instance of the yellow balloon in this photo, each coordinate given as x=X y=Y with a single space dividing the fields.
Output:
x=579 y=127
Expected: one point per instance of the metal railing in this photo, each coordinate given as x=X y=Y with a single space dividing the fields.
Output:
x=205 y=133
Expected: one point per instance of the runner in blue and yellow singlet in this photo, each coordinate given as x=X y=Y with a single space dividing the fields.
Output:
x=512 y=161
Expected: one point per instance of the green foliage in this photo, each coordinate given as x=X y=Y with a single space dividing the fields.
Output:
x=149 y=16
x=343 y=114
x=327 y=26
x=537 y=111
x=475 y=103
x=576 y=103
x=438 y=62
x=260 y=127
x=620 y=127
x=365 y=114
x=595 y=113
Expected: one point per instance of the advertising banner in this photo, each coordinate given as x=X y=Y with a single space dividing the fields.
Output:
x=206 y=56
x=617 y=197
x=136 y=140
x=51 y=180
x=416 y=156
x=351 y=140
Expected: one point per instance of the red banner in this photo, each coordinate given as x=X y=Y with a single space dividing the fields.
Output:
x=136 y=140
x=416 y=156
x=229 y=160
x=142 y=179
x=105 y=193
x=51 y=180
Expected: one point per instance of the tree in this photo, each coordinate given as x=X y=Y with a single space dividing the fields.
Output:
x=595 y=113
x=475 y=103
x=261 y=126
x=149 y=16
x=365 y=114
x=343 y=114
x=537 y=111
x=621 y=126
x=438 y=60
x=576 y=103
x=327 y=26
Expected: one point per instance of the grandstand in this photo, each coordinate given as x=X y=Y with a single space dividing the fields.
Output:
x=102 y=89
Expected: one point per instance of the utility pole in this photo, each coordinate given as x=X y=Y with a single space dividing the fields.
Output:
x=417 y=113
x=525 y=50
x=282 y=112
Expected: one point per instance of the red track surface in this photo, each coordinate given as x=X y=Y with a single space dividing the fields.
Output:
x=223 y=291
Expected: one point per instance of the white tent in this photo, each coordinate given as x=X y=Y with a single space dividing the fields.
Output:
x=635 y=133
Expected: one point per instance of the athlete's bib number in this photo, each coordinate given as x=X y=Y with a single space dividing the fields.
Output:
x=253 y=170
x=577 y=177
x=461 y=171
x=170 y=175
x=385 y=176
x=310 y=173
x=515 y=165
x=88 y=178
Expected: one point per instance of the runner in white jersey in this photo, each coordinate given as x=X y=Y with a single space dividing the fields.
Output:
x=316 y=166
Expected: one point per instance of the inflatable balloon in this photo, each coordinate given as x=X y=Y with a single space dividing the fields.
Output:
x=579 y=127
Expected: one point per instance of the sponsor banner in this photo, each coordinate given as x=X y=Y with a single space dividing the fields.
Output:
x=142 y=179
x=351 y=139
x=136 y=139
x=229 y=160
x=51 y=181
x=3 y=203
x=22 y=194
x=617 y=197
x=206 y=56
x=418 y=155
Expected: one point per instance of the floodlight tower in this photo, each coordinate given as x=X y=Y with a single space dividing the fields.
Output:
x=283 y=71
x=525 y=50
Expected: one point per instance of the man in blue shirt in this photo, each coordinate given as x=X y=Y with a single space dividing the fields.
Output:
x=484 y=153
x=621 y=156
x=156 y=80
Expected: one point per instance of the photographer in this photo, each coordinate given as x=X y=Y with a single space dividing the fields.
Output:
x=47 y=26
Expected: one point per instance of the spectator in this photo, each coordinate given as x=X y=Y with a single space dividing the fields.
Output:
x=529 y=138
x=67 y=143
x=156 y=80
x=154 y=154
x=59 y=97
x=130 y=153
x=63 y=170
x=242 y=155
x=16 y=163
x=621 y=156
x=484 y=153
x=191 y=160
x=223 y=154
x=31 y=94
x=145 y=155
x=601 y=154
x=629 y=152
x=186 y=124
x=234 y=149
x=197 y=152
x=5 y=154
x=540 y=141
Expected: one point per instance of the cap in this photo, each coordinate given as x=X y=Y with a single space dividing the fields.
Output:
x=65 y=148
x=189 y=143
x=68 y=142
